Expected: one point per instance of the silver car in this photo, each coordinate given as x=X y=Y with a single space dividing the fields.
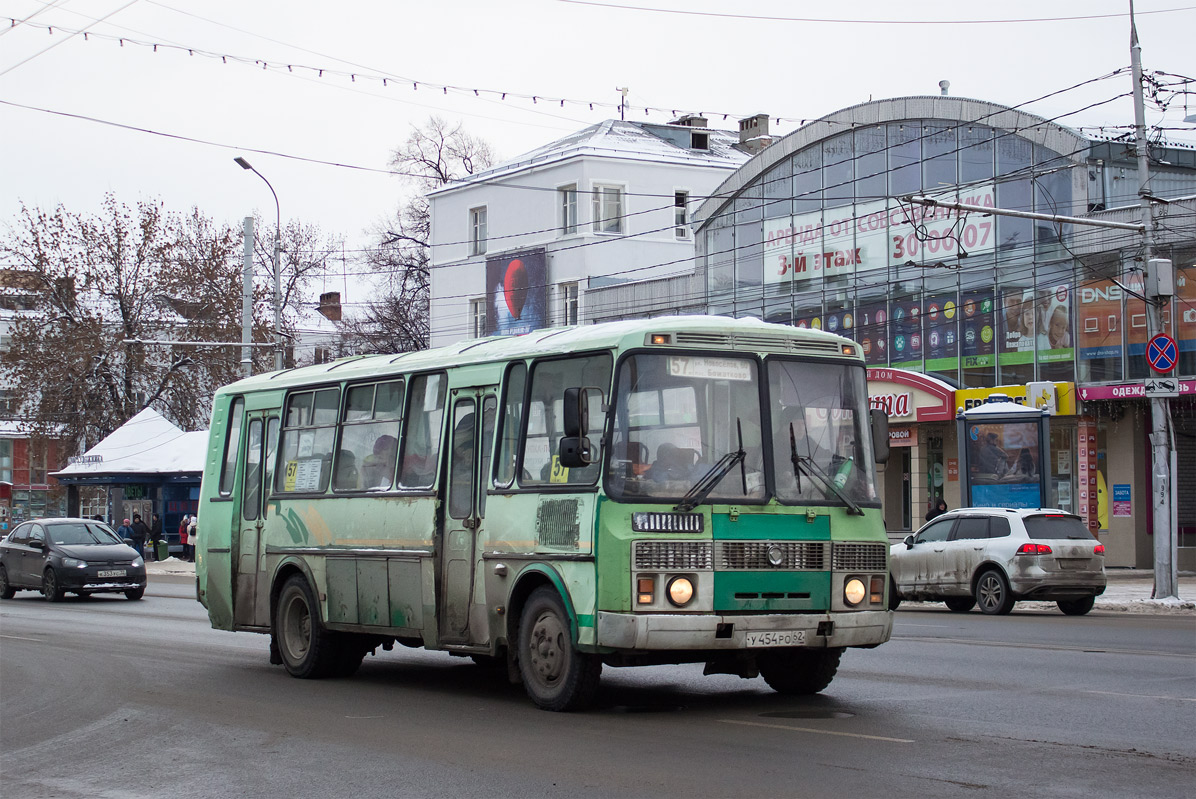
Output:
x=993 y=557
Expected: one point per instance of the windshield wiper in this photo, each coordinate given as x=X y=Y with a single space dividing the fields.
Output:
x=701 y=489
x=807 y=464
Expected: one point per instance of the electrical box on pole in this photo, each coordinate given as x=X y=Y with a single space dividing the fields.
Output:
x=1160 y=279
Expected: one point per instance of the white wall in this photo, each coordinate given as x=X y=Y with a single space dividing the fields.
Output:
x=518 y=217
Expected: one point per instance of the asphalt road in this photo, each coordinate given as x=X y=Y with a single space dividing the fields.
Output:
x=111 y=698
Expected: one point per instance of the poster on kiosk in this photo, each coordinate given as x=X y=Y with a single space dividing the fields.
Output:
x=1005 y=454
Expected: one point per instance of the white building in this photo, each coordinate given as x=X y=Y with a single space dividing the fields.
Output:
x=533 y=242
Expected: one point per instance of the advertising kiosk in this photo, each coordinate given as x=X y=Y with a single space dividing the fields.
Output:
x=1004 y=448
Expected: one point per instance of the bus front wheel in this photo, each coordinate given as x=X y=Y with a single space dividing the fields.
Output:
x=307 y=649
x=555 y=675
x=800 y=671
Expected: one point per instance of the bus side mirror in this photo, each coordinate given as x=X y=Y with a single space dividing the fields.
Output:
x=880 y=435
x=577 y=412
x=575 y=448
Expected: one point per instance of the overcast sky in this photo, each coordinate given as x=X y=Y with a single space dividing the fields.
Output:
x=205 y=107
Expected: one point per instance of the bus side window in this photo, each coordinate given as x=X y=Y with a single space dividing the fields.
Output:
x=545 y=418
x=422 y=431
x=369 y=437
x=511 y=424
x=307 y=440
x=232 y=443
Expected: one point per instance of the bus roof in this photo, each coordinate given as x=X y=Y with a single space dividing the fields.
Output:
x=693 y=331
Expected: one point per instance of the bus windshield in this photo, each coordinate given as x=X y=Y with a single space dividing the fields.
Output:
x=676 y=416
x=820 y=432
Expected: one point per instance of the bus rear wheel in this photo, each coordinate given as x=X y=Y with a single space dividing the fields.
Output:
x=308 y=651
x=799 y=671
x=555 y=675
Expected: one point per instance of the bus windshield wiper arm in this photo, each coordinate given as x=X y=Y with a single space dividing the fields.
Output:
x=701 y=489
x=811 y=468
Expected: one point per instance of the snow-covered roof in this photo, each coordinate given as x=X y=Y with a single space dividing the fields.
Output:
x=616 y=138
x=149 y=443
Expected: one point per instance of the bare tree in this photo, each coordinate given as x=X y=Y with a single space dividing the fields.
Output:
x=95 y=285
x=435 y=154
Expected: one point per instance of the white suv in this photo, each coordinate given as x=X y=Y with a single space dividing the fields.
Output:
x=995 y=556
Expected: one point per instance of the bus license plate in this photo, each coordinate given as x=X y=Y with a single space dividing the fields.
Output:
x=775 y=638
x=110 y=573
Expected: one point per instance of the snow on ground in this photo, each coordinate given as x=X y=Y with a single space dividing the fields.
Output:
x=1128 y=591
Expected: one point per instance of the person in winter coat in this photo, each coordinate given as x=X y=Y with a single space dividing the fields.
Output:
x=126 y=531
x=183 y=538
x=939 y=509
x=157 y=533
x=141 y=532
x=193 y=534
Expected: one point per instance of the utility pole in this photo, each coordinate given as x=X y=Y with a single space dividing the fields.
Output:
x=623 y=101
x=1165 y=577
x=247 y=301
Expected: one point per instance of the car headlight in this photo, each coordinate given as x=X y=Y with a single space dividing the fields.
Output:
x=137 y=562
x=680 y=591
x=854 y=591
x=74 y=563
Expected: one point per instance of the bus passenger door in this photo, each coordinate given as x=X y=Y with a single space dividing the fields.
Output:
x=261 y=439
x=464 y=510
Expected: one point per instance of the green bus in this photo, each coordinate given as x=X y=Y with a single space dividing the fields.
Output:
x=682 y=489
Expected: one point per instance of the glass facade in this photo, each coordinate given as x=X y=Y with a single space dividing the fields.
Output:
x=822 y=239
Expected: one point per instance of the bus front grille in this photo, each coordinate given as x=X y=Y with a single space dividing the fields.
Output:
x=673 y=556
x=770 y=555
x=860 y=557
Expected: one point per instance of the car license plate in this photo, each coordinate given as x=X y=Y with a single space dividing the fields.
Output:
x=775 y=638
x=110 y=573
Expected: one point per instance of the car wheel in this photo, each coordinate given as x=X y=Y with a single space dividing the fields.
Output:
x=135 y=593
x=308 y=651
x=1076 y=607
x=555 y=675
x=992 y=594
x=799 y=671
x=960 y=604
x=51 y=589
x=894 y=597
x=6 y=589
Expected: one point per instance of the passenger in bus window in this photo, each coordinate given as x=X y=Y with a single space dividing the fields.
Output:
x=346 y=472
x=379 y=465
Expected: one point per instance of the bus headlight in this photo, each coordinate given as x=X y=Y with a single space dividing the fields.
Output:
x=854 y=591
x=680 y=591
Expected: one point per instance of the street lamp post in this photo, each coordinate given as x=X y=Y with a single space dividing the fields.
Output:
x=241 y=162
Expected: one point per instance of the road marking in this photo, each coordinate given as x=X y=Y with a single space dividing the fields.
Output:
x=19 y=638
x=816 y=731
x=1144 y=696
x=1050 y=647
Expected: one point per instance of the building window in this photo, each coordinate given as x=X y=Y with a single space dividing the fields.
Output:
x=568 y=205
x=322 y=355
x=477 y=230
x=569 y=303
x=6 y=460
x=477 y=318
x=37 y=463
x=608 y=209
x=9 y=403
x=681 y=214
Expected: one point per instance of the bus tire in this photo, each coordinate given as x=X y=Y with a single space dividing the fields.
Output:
x=308 y=651
x=555 y=675
x=800 y=671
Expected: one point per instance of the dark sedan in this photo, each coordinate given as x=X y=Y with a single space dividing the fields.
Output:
x=55 y=556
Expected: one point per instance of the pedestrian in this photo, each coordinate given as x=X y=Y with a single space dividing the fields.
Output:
x=939 y=509
x=193 y=534
x=157 y=533
x=183 y=534
x=141 y=532
x=126 y=531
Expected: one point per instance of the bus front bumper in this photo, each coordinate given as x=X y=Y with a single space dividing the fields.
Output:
x=656 y=632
